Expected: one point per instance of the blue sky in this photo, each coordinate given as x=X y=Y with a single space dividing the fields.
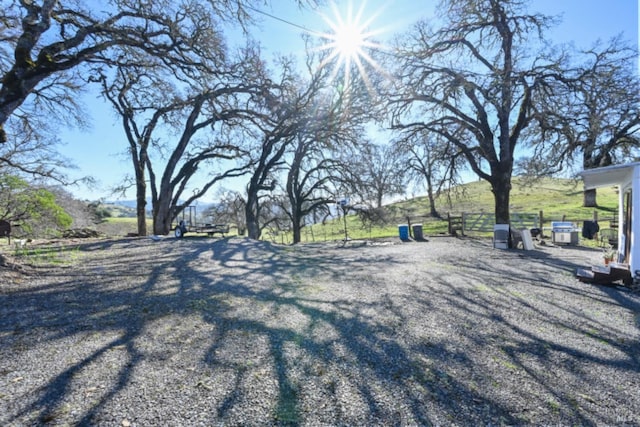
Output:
x=99 y=151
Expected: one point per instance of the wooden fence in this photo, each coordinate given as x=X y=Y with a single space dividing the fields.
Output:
x=484 y=222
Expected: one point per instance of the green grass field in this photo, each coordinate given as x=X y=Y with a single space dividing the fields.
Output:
x=556 y=198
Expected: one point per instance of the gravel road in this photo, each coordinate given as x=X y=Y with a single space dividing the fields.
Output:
x=190 y=332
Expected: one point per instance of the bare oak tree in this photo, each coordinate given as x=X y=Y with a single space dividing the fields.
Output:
x=50 y=46
x=372 y=172
x=309 y=120
x=331 y=124
x=29 y=152
x=592 y=118
x=172 y=135
x=228 y=209
x=473 y=83
x=48 y=39
x=288 y=112
x=316 y=164
x=432 y=161
x=309 y=181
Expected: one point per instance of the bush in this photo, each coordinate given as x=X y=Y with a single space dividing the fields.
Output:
x=33 y=209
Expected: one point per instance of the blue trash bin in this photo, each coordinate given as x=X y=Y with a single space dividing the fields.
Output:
x=403 y=230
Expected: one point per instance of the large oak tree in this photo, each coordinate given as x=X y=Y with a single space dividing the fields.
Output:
x=45 y=41
x=174 y=130
x=592 y=117
x=49 y=47
x=473 y=82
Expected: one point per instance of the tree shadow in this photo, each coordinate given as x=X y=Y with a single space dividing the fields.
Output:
x=287 y=336
x=577 y=334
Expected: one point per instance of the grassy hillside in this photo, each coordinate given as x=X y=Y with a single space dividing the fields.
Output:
x=556 y=198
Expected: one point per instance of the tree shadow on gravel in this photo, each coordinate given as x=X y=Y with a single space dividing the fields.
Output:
x=243 y=332
x=554 y=332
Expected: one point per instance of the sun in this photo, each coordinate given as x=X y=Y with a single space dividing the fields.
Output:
x=349 y=41
x=348 y=37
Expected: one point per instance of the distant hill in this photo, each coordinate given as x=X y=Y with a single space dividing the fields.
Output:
x=118 y=210
x=125 y=203
x=127 y=208
x=555 y=196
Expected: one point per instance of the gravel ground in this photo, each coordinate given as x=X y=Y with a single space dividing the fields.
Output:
x=137 y=332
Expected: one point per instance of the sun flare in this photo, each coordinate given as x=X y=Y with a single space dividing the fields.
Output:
x=348 y=36
x=349 y=41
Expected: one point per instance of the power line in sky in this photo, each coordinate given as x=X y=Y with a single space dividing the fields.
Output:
x=293 y=24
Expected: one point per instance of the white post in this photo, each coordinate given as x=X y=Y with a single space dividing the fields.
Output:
x=634 y=255
x=622 y=187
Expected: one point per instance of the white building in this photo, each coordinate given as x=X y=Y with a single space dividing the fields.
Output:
x=627 y=179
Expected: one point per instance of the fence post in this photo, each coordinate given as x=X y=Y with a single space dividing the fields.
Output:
x=462 y=223
x=541 y=221
x=595 y=215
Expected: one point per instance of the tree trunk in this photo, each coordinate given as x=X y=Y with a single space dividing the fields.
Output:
x=590 y=160
x=252 y=217
x=139 y=164
x=432 y=200
x=16 y=86
x=501 y=188
x=379 y=197
x=589 y=198
x=162 y=215
x=162 y=223
x=141 y=207
x=297 y=229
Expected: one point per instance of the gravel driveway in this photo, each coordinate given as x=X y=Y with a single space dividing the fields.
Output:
x=137 y=332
